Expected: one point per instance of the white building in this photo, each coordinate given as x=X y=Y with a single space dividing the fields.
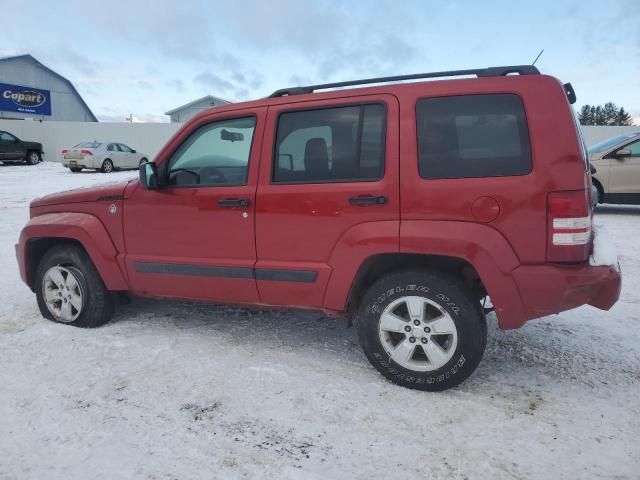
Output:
x=185 y=112
x=28 y=89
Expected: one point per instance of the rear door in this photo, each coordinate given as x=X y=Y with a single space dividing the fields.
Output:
x=113 y=153
x=326 y=166
x=4 y=145
x=10 y=147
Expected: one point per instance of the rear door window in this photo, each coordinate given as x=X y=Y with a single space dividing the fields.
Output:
x=341 y=144
x=472 y=136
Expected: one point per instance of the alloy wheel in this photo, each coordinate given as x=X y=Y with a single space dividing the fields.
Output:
x=417 y=333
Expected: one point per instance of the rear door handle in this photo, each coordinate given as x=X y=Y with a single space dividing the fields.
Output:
x=233 y=202
x=368 y=200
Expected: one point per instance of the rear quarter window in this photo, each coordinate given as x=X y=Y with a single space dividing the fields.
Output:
x=472 y=136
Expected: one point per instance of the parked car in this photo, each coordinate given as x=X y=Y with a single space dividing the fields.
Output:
x=617 y=161
x=14 y=150
x=400 y=206
x=103 y=156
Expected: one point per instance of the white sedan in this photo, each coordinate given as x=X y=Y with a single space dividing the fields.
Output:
x=103 y=156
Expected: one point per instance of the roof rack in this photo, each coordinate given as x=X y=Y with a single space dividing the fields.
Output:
x=479 y=72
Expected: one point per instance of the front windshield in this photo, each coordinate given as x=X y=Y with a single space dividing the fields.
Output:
x=611 y=142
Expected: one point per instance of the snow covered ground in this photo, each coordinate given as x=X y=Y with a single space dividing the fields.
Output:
x=179 y=391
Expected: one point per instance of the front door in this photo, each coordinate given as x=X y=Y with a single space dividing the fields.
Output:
x=333 y=167
x=194 y=238
x=624 y=173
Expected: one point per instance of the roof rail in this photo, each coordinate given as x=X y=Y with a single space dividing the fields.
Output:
x=479 y=72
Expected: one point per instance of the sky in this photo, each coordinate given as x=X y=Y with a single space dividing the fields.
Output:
x=144 y=57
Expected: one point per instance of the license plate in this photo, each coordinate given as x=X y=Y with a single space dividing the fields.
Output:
x=73 y=162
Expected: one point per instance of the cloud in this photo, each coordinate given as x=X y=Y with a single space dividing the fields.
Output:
x=219 y=86
x=145 y=84
x=175 y=85
x=212 y=80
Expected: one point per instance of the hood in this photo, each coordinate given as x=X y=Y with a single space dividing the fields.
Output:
x=110 y=191
x=37 y=145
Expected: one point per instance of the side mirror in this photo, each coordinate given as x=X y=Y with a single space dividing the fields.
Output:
x=623 y=152
x=231 y=136
x=148 y=176
x=133 y=151
x=592 y=169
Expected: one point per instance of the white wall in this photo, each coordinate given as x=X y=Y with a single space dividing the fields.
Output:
x=596 y=134
x=150 y=137
x=54 y=136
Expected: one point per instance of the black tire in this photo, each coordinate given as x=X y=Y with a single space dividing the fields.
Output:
x=75 y=169
x=107 y=166
x=32 y=158
x=600 y=191
x=452 y=298
x=142 y=162
x=97 y=306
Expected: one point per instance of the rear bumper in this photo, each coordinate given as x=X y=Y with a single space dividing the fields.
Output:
x=549 y=289
x=80 y=162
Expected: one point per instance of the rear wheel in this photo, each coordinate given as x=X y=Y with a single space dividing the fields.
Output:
x=422 y=330
x=142 y=162
x=33 y=158
x=69 y=289
x=107 y=166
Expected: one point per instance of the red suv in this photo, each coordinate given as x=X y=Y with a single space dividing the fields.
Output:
x=402 y=206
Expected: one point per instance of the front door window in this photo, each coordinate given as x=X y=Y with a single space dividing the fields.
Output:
x=215 y=155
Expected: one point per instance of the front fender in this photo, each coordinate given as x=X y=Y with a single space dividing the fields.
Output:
x=82 y=227
x=481 y=246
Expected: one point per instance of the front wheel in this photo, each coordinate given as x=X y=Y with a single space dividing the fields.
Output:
x=107 y=166
x=69 y=289
x=422 y=330
x=142 y=162
x=33 y=158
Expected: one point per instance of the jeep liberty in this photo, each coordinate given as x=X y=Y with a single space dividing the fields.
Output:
x=401 y=205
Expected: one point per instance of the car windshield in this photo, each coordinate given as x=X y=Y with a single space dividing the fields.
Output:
x=611 y=142
x=88 y=145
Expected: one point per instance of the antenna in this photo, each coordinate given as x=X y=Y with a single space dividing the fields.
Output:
x=534 y=62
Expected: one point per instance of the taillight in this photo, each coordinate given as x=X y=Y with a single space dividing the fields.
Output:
x=64 y=151
x=568 y=226
x=86 y=152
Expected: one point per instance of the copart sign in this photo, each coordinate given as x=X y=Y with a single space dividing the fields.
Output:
x=14 y=98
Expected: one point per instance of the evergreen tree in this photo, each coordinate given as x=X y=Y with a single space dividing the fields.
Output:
x=623 y=117
x=599 y=116
x=609 y=115
x=584 y=117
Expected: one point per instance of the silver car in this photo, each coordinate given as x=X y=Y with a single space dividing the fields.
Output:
x=103 y=156
x=617 y=161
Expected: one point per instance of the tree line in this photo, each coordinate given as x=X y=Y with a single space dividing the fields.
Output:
x=609 y=114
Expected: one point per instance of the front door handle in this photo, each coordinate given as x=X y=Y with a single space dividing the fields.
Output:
x=368 y=200
x=233 y=202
